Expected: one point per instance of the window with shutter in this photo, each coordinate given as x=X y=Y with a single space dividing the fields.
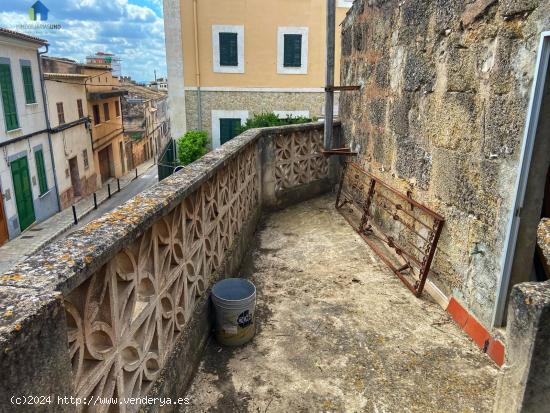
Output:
x=292 y=50
x=97 y=120
x=60 y=113
x=27 y=84
x=229 y=128
x=8 y=98
x=41 y=171
x=106 y=111
x=80 y=108
x=229 y=55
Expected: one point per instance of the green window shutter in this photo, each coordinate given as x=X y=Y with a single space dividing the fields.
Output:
x=41 y=170
x=293 y=50
x=8 y=97
x=27 y=84
x=229 y=55
x=229 y=128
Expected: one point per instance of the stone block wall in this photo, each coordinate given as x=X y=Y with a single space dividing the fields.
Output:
x=445 y=90
x=253 y=102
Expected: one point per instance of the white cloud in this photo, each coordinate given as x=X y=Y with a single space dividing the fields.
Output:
x=133 y=32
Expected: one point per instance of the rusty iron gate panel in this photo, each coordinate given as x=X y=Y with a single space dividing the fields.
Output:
x=401 y=231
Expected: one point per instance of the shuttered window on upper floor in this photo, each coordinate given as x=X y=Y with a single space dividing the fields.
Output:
x=41 y=171
x=60 y=113
x=292 y=50
x=8 y=97
x=26 y=71
x=229 y=55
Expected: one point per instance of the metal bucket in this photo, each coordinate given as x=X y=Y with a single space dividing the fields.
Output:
x=235 y=303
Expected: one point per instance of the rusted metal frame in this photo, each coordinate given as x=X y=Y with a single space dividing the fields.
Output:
x=417 y=204
x=388 y=262
x=394 y=215
x=368 y=202
x=428 y=261
x=367 y=230
x=399 y=208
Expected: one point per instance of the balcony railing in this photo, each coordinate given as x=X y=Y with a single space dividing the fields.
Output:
x=120 y=308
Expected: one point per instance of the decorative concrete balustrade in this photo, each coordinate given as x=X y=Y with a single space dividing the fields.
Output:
x=120 y=308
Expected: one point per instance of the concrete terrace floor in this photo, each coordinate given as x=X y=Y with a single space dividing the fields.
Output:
x=338 y=332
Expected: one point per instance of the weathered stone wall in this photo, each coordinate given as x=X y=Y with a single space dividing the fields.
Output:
x=441 y=112
x=254 y=102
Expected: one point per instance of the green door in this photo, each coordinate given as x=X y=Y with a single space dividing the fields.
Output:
x=23 y=192
x=229 y=128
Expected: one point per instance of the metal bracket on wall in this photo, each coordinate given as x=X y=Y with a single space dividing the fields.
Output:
x=401 y=231
x=341 y=88
x=338 y=151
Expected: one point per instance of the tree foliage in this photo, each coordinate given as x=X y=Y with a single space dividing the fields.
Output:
x=192 y=146
x=266 y=119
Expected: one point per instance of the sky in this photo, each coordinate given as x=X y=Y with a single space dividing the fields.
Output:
x=131 y=29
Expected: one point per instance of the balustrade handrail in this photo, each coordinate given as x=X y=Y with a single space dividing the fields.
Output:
x=127 y=283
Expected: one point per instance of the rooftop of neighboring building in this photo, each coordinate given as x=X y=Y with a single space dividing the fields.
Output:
x=21 y=36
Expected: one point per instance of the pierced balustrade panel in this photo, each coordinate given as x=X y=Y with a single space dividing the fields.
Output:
x=298 y=159
x=124 y=320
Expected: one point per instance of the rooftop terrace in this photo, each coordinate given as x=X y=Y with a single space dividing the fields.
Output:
x=338 y=331
x=121 y=308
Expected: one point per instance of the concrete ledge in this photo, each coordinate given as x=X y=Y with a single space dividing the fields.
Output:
x=524 y=385
x=34 y=354
x=543 y=244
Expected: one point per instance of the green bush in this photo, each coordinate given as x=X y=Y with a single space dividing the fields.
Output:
x=192 y=146
x=266 y=119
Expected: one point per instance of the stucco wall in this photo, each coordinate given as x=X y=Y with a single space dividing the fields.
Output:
x=31 y=119
x=261 y=21
x=441 y=112
x=71 y=142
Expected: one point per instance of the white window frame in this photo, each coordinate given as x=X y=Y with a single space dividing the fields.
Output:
x=344 y=3
x=283 y=114
x=216 y=30
x=281 y=69
x=220 y=114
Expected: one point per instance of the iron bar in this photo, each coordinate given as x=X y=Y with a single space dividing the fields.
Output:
x=365 y=194
x=329 y=94
x=95 y=201
x=75 y=218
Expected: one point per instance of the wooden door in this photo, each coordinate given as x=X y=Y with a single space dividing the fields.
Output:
x=23 y=192
x=75 y=176
x=3 y=227
x=104 y=164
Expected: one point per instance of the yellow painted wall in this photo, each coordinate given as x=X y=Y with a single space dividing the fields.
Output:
x=106 y=132
x=261 y=20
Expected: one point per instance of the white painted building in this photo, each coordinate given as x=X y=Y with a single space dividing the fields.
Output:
x=27 y=182
x=71 y=139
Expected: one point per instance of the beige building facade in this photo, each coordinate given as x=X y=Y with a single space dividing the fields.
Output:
x=228 y=60
x=71 y=137
x=103 y=96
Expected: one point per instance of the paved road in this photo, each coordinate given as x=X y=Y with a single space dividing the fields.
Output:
x=141 y=183
x=61 y=224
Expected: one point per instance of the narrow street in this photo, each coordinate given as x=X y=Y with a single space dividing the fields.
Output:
x=61 y=224
x=143 y=182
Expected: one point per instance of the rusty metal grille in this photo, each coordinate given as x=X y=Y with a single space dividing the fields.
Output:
x=401 y=231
